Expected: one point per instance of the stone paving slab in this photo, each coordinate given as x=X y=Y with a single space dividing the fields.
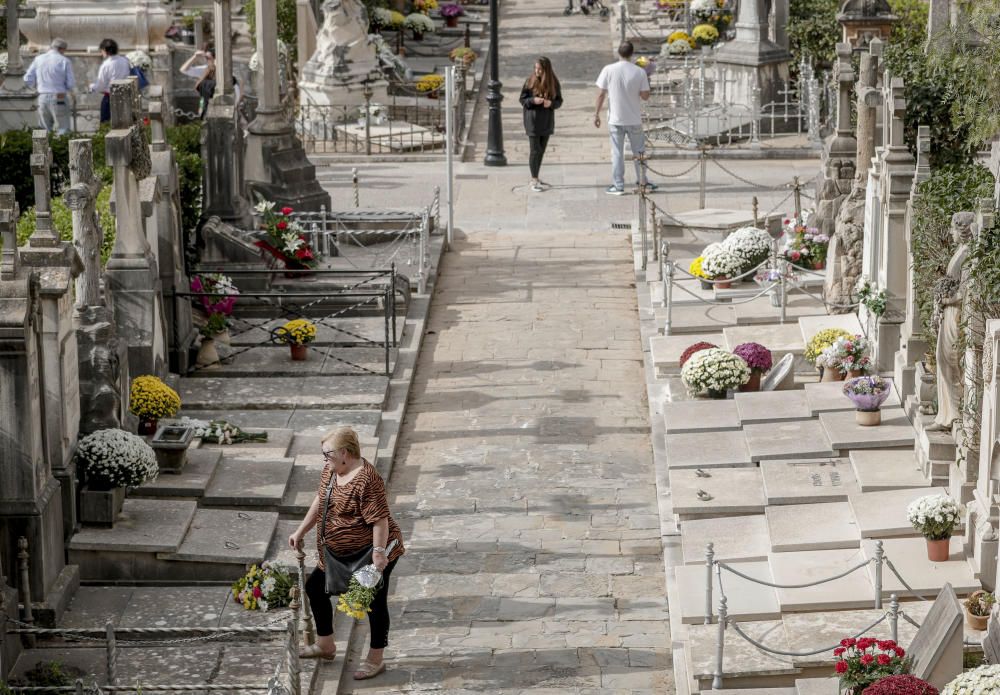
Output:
x=733 y=491
x=821 y=526
x=324 y=392
x=697 y=319
x=883 y=514
x=740 y=658
x=846 y=434
x=887 y=469
x=909 y=556
x=175 y=606
x=814 y=630
x=275 y=446
x=771 y=406
x=746 y=600
x=242 y=482
x=226 y=536
x=697 y=450
x=303 y=483
x=96 y=605
x=789 y=439
x=734 y=538
x=780 y=339
x=191 y=482
x=817 y=686
x=828 y=396
x=666 y=350
x=850 y=592
x=145 y=525
x=275 y=361
x=807 y=481
x=811 y=325
x=700 y=416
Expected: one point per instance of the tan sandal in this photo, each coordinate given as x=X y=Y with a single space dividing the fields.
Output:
x=313 y=651
x=368 y=670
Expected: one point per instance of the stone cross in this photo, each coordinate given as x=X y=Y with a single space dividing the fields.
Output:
x=223 y=19
x=44 y=235
x=81 y=198
x=923 y=154
x=845 y=80
x=127 y=152
x=8 y=233
x=894 y=114
x=868 y=99
x=14 y=76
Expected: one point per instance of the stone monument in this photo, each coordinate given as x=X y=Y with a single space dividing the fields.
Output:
x=757 y=62
x=276 y=166
x=837 y=176
x=17 y=100
x=982 y=529
x=865 y=20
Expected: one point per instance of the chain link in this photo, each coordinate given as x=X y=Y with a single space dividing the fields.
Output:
x=673 y=176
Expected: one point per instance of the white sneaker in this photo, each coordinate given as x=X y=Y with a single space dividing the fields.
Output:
x=536 y=186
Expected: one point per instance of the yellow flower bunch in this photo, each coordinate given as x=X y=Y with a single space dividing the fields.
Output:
x=297 y=331
x=466 y=55
x=680 y=35
x=821 y=341
x=396 y=19
x=642 y=61
x=424 y=6
x=696 y=269
x=150 y=398
x=354 y=610
x=430 y=83
x=357 y=601
x=705 y=34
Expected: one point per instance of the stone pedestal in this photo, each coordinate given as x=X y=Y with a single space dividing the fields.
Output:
x=753 y=59
x=222 y=165
x=17 y=110
x=134 y=24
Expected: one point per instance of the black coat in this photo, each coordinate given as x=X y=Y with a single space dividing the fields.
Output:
x=539 y=120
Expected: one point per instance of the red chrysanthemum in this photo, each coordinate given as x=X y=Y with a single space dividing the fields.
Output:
x=697 y=347
x=841 y=667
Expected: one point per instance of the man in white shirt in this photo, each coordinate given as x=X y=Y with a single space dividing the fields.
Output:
x=52 y=75
x=624 y=85
x=114 y=67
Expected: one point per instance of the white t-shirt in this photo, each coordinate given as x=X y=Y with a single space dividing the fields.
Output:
x=623 y=81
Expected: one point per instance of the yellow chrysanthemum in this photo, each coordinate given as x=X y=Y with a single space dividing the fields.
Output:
x=150 y=398
x=297 y=331
x=430 y=83
x=705 y=34
x=696 y=269
x=822 y=340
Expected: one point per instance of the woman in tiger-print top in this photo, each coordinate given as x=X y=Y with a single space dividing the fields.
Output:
x=358 y=517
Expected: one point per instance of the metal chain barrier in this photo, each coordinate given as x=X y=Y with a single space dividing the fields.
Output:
x=674 y=176
x=806 y=585
x=812 y=652
x=902 y=581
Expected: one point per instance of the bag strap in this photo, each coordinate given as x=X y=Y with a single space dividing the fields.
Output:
x=326 y=504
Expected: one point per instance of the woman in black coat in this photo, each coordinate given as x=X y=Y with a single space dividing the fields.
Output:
x=540 y=97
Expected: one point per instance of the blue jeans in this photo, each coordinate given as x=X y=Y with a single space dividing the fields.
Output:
x=53 y=113
x=637 y=145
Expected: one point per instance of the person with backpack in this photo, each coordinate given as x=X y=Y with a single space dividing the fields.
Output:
x=114 y=67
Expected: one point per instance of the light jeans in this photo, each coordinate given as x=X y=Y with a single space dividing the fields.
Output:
x=636 y=143
x=53 y=113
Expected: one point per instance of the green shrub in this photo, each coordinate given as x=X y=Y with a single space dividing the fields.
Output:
x=286 y=25
x=62 y=221
x=813 y=31
x=186 y=141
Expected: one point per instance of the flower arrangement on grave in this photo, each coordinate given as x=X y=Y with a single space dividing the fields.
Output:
x=669 y=4
x=463 y=54
x=216 y=292
x=264 y=587
x=978 y=608
x=429 y=84
x=285 y=240
x=985 y=679
x=139 y=59
x=935 y=517
x=821 y=341
x=150 y=399
x=848 y=355
x=382 y=18
x=221 y=432
x=876 y=301
x=868 y=393
x=714 y=371
x=902 y=684
x=297 y=334
x=864 y=661
x=452 y=9
x=424 y=6
x=214 y=325
x=677 y=48
x=750 y=243
x=805 y=246
x=419 y=24
x=721 y=263
x=758 y=359
x=697 y=347
x=114 y=458
x=715 y=13
x=705 y=34
x=682 y=36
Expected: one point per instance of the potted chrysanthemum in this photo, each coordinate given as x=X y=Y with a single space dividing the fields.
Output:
x=150 y=400
x=868 y=393
x=820 y=342
x=451 y=11
x=758 y=359
x=419 y=24
x=714 y=372
x=901 y=684
x=985 y=679
x=111 y=461
x=721 y=264
x=692 y=349
x=297 y=334
x=864 y=661
x=751 y=244
x=935 y=517
x=847 y=357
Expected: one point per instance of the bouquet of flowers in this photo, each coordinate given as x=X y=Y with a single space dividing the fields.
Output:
x=680 y=35
x=424 y=6
x=365 y=583
x=863 y=661
x=721 y=262
x=452 y=9
x=429 y=83
x=264 y=587
x=715 y=13
x=216 y=291
x=847 y=353
x=221 y=432
x=296 y=331
x=215 y=324
x=751 y=244
x=285 y=240
x=804 y=246
x=116 y=458
x=867 y=392
x=697 y=347
x=934 y=516
x=696 y=268
x=381 y=18
x=900 y=685
x=757 y=357
x=463 y=54
x=139 y=59
x=646 y=64
x=705 y=34
x=821 y=341
x=151 y=399
x=677 y=48
x=978 y=681
x=714 y=369
x=419 y=23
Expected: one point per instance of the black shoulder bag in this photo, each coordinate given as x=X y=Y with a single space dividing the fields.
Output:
x=339 y=569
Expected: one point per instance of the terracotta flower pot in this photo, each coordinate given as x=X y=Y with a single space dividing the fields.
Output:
x=208 y=355
x=754 y=383
x=819 y=265
x=938 y=551
x=147 y=427
x=853 y=373
x=722 y=284
x=299 y=352
x=976 y=622
x=451 y=22
x=868 y=418
x=831 y=374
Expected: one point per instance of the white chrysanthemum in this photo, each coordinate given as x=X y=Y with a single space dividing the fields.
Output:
x=721 y=262
x=980 y=681
x=714 y=369
x=117 y=458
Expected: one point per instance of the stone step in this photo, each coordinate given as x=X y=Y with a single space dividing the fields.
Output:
x=666 y=350
x=307 y=421
x=846 y=593
x=700 y=416
x=303 y=484
x=845 y=434
x=791 y=439
x=280 y=552
x=936 y=446
x=695 y=450
x=817 y=686
x=191 y=482
x=274 y=361
x=883 y=514
x=726 y=492
x=820 y=526
x=771 y=406
x=755 y=691
x=682 y=292
x=877 y=470
x=807 y=481
x=828 y=396
x=909 y=556
x=226 y=537
x=345 y=331
x=734 y=539
x=811 y=325
x=240 y=482
x=745 y=600
x=284 y=393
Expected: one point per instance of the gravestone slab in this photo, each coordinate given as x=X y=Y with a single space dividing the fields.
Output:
x=849 y=592
x=303 y=485
x=144 y=526
x=720 y=449
x=828 y=396
x=780 y=339
x=241 y=482
x=789 y=439
x=276 y=446
x=734 y=538
x=226 y=535
x=887 y=469
x=807 y=481
x=322 y=392
x=811 y=325
x=180 y=606
x=191 y=482
x=96 y=605
x=817 y=686
x=691 y=319
x=822 y=526
x=771 y=406
x=937 y=647
x=813 y=630
x=845 y=433
x=745 y=600
x=729 y=491
x=700 y=416
x=991 y=640
x=909 y=556
x=740 y=658
x=666 y=350
x=883 y=514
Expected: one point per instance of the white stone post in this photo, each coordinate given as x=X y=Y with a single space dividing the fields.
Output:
x=223 y=21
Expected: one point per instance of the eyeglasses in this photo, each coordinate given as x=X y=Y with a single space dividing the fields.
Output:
x=328 y=455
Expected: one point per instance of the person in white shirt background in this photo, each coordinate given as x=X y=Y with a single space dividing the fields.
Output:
x=206 y=76
x=114 y=67
x=52 y=75
x=625 y=86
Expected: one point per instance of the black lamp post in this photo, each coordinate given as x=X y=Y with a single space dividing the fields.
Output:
x=495 y=156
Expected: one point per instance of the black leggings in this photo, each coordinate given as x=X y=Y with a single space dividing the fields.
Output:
x=322 y=609
x=538 y=144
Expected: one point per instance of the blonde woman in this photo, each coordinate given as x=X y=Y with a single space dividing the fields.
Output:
x=352 y=512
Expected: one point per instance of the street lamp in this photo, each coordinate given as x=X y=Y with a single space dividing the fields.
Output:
x=495 y=156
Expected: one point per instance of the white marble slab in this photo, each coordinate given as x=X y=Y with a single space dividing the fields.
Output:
x=828 y=396
x=789 y=439
x=909 y=556
x=745 y=600
x=887 y=469
x=700 y=416
x=822 y=526
x=732 y=491
x=734 y=539
x=849 y=592
x=807 y=481
x=883 y=514
x=697 y=450
x=846 y=434
x=771 y=406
